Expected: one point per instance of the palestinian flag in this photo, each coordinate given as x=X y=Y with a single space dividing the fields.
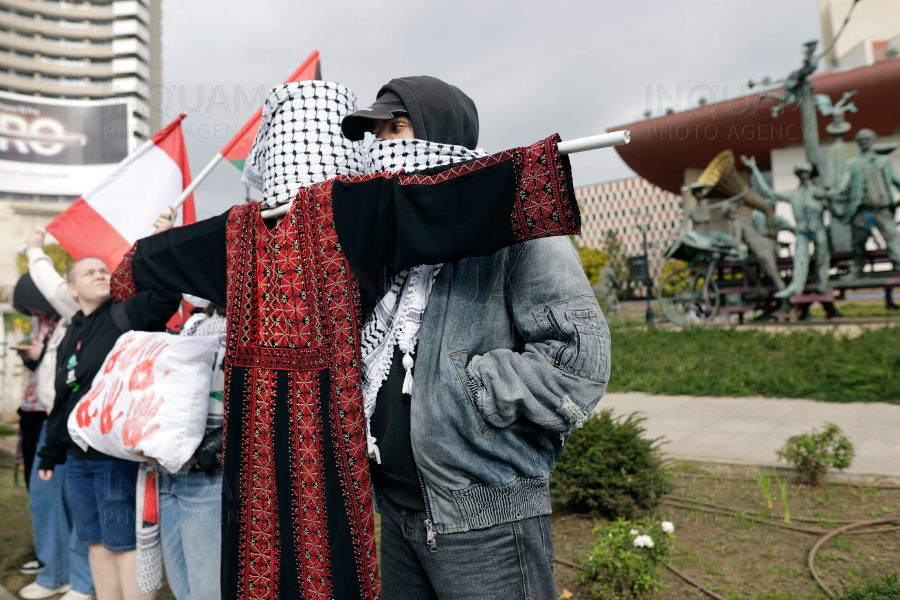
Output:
x=238 y=148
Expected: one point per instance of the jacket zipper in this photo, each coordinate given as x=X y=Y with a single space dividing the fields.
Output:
x=555 y=325
x=430 y=535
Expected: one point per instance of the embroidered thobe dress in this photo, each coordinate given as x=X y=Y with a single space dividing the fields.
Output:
x=297 y=501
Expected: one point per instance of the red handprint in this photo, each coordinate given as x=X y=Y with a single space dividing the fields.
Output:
x=128 y=358
x=106 y=418
x=111 y=361
x=82 y=416
x=137 y=419
x=142 y=376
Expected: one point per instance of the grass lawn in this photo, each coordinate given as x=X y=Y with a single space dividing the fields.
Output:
x=726 y=362
x=856 y=309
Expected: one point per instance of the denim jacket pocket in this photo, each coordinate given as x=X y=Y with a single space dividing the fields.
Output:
x=581 y=346
x=460 y=360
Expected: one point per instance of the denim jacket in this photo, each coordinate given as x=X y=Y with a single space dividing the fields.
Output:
x=513 y=354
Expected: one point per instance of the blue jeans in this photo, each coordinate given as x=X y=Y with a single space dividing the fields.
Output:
x=190 y=528
x=65 y=560
x=502 y=562
x=102 y=496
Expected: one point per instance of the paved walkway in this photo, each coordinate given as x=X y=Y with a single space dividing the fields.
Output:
x=749 y=430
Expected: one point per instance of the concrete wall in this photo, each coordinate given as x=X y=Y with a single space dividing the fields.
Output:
x=17 y=220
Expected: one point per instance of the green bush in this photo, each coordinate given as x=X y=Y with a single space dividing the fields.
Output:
x=817 y=451
x=886 y=587
x=610 y=468
x=624 y=559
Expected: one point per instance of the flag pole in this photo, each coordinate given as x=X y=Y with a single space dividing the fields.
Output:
x=594 y=142
x=311 y=59
x=196 y=181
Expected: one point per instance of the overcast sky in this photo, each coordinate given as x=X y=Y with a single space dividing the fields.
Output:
x=532 y=68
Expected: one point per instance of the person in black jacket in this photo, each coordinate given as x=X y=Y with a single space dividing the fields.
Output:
x=29 y=301
x=101 y=487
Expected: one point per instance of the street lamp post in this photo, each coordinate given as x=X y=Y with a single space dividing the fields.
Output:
x=649 y=279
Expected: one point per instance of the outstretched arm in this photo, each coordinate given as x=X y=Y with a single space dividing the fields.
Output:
x=447 y=213
x=764 y=190
x=49 y=283
x=189 y=260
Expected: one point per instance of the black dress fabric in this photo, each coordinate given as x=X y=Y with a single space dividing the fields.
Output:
x=89 y=339
x=396 y=476
x=297 y=507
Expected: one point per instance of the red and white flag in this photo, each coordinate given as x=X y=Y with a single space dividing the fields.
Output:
x=106 y=221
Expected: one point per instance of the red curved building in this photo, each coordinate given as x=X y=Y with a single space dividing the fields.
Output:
x=666 y=150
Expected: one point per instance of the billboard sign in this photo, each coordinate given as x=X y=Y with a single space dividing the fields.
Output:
x=58 y=146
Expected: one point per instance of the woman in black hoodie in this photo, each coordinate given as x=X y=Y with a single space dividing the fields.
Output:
x=100 y=487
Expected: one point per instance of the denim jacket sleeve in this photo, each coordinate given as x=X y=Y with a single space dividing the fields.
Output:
x=562 y=372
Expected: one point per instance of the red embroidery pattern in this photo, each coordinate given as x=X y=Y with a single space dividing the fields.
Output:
x=546 y=203
x=313 y=359
x=463 y=169
x=121 y=285
x=259 y=547
x=341 y=297
x=307 y=475
x=310 y=325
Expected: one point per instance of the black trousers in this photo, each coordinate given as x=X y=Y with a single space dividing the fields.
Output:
x=30 y=422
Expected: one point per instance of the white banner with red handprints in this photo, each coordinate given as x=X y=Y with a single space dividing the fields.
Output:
x=150 y=398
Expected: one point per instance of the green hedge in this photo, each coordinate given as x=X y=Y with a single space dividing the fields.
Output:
x=727 y=362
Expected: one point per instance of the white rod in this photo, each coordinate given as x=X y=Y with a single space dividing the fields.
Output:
x=595 y=142
x=277 y=211
x=200 y=177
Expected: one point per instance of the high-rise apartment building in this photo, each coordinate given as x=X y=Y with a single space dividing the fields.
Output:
x=75 y=78
x=79 y=49
x=624 y=207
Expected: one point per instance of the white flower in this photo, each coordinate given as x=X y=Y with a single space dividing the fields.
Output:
x=610 y=535
x=634 y=532
x=668 y=527
x=643 y=541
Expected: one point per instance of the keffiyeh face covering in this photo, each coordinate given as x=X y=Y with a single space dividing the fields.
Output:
x=299 y=142
x=398 y=315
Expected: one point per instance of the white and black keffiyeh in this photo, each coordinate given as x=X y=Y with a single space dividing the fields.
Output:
x=415 y=155
x=299 y=142
x=398 y=315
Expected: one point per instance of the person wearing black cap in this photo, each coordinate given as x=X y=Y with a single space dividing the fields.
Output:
x=423 y=108
x=511 y=353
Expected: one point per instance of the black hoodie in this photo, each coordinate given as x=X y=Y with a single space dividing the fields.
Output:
x=26 y=296
x=439 y=112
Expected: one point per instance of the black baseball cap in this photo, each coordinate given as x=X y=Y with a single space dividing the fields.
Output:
x=388 y=106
